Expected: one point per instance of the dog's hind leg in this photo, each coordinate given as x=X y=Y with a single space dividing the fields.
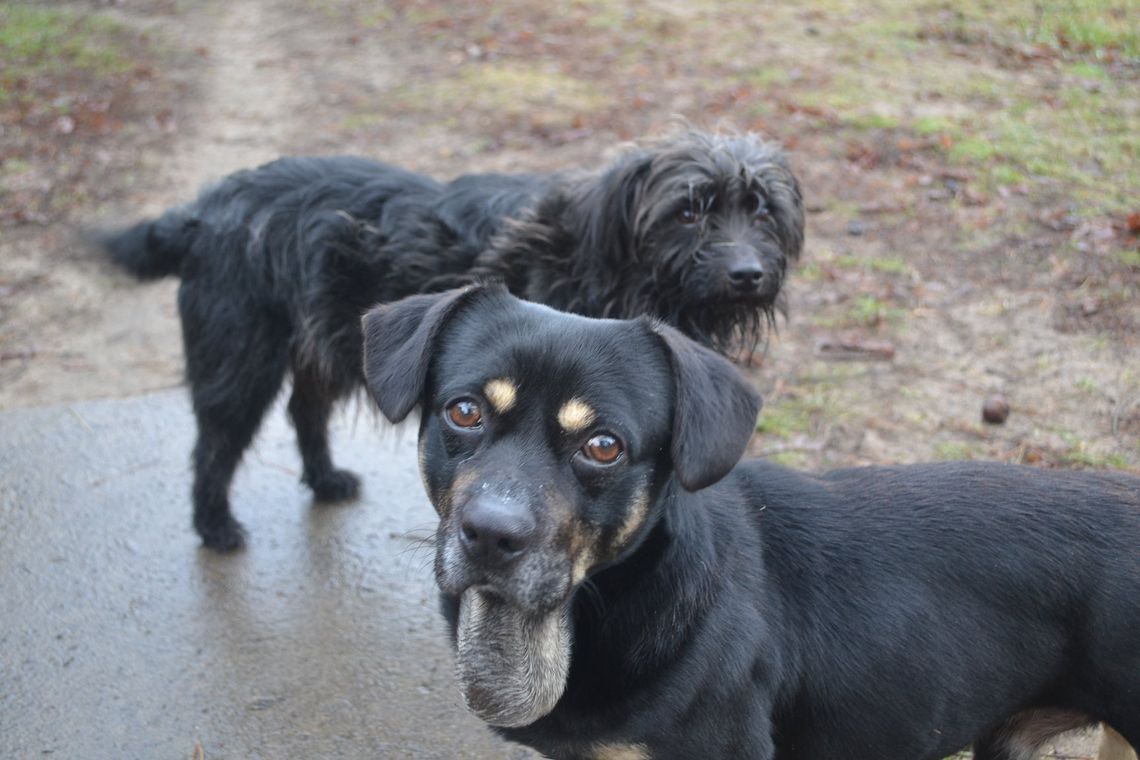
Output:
x=309 y=407
x=1113 y=746
x=1022 y=736
x=226 y=427
x=234 y=367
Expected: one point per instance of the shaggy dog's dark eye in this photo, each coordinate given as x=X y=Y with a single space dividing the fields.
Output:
x=465 y=413
x=687 y=215
x=603 y=448
x=757 y=205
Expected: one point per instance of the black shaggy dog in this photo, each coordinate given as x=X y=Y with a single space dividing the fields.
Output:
x=278 y=264
x=620 y=587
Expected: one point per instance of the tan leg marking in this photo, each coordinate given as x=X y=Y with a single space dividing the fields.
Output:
x=1113 y=746
x=620 y=752
x=502 y=393
x=576 y=415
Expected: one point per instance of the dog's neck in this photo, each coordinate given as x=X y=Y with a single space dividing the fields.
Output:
x=610 y=619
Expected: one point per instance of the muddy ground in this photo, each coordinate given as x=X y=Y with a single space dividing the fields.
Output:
x=971 y=174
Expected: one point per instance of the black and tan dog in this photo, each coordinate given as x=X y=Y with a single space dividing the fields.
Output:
x=619 y=586
x=278 y=264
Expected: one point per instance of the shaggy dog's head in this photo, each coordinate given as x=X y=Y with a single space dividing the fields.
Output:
x=697 y=230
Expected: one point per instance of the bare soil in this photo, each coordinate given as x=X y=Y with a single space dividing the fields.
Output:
x=936 y=273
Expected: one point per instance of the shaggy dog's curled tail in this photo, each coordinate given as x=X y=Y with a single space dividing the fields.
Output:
x=151 y=249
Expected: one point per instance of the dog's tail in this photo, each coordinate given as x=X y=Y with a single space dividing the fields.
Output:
x=151 y=249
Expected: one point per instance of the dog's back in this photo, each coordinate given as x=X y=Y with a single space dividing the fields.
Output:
x=1020 y=577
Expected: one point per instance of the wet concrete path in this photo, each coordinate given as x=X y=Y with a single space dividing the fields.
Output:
x=121 y=638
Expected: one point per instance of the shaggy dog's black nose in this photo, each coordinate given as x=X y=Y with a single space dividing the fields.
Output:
x=495 y=531
x=746 y=275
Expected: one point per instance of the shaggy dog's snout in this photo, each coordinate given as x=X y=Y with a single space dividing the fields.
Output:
x=745 y=270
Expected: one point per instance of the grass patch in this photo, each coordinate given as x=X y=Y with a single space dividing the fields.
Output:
x=1091 y=26
x=794 y=459
x=872 y=311
x=1087 y=385
x=1129 y=258
x=40 y=42
x=927 y=126
x=1079 y=455
x=953 y=451
x=877 y=264
x=505 y=90
x=972 y=149
x=795 y=414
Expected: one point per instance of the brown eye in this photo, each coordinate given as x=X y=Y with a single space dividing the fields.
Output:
x=687 y=216
x=465 y=413
x=603 y=449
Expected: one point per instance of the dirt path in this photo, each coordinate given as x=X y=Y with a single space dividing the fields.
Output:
x=117 y=337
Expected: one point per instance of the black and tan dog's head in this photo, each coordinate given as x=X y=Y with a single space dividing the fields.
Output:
x=696 y=229
x=545 y=441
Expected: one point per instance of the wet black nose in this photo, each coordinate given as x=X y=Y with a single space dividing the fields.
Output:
x=745 y=276
x=495 y=531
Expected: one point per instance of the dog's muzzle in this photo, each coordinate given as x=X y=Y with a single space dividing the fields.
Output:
x=512 y=665
x=513 y=584
x=494 y=532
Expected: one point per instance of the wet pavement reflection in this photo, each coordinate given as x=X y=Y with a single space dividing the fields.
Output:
x=120 y=637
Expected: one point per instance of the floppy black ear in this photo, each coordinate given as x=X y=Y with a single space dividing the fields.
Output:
x=398 y=341
x=714 y=412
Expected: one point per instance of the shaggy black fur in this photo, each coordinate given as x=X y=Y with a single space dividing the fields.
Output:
x=278 y=263
x=670 y=605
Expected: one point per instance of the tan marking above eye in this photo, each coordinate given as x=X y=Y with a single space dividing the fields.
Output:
x=502 y=393
x=465 y=413
x=576 y=415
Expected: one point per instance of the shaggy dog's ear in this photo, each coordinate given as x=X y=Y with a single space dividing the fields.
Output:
x=612 y=204
x=398 y=341
x=714 y=411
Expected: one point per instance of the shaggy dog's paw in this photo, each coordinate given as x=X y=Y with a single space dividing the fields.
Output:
x=336 y=485
x=227 y=536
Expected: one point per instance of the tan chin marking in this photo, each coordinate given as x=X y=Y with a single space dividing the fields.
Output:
x=620 y=752
x=638 y=509
x=576 y=415
x=512 y=666
x=502 y=393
